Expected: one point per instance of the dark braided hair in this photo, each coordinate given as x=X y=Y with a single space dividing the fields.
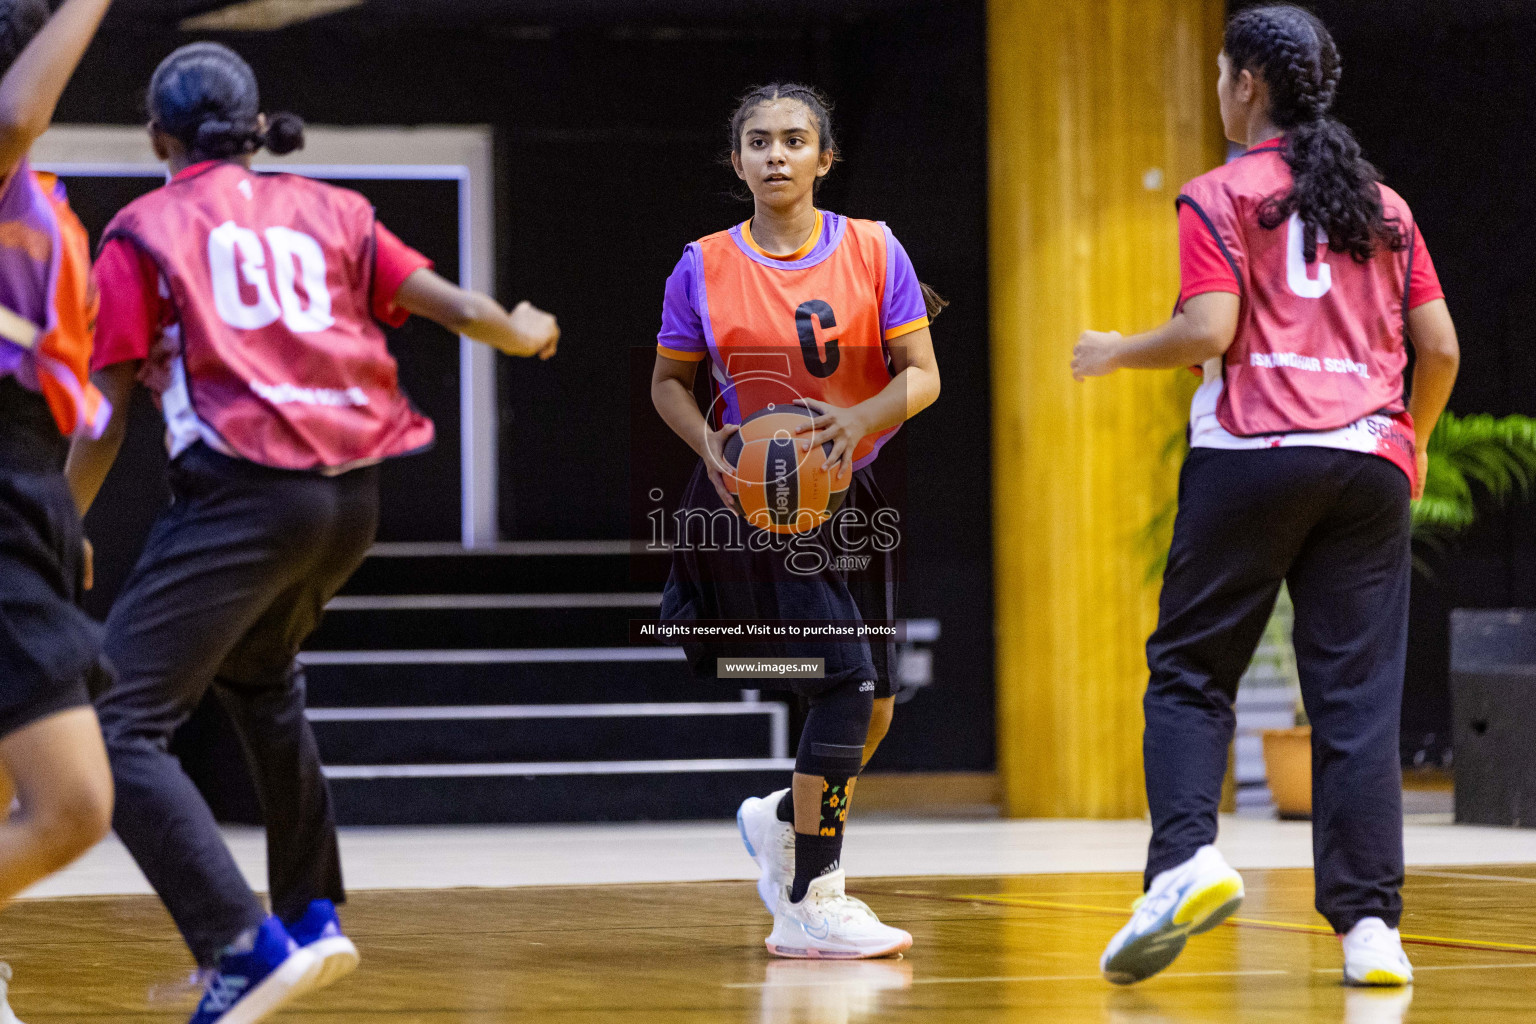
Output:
x=204 y=95
x=20 y=21
x=1332 y=186
x=820 y=109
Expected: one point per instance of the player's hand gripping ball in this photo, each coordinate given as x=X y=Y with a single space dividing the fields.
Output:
x=775 y=482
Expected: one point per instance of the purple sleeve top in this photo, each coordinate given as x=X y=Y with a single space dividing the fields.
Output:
x=682 y=329
x=903 y=309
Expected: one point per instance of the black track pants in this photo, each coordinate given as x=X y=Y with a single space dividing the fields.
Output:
x=232 y=580
x=1334 y=525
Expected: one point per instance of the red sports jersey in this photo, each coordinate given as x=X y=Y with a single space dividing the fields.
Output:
x=135 y=312
x=811 y=325
x=1319 y=346
x=271 y=279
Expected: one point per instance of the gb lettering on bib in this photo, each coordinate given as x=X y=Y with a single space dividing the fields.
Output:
x=238 y=261
x=271 y=278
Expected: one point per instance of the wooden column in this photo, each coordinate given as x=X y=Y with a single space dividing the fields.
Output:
x=1099 y=110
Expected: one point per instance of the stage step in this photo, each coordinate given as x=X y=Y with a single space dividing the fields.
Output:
x=534 y=676
x=453 y=686
x=527 y=567
x=582 y=736
x=532 y=792
x=467 y=621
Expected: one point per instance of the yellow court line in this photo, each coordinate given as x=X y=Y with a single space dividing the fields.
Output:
x=1010 y=979
x=1420 y=968
x=1285 y=926
x=997 y=979
x=1023 y=901
x=1468 y=876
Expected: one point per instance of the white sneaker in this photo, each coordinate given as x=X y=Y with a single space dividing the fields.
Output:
x=1192 y=898
x=7 y=1016
x=830 y=925
x=769 y=841
x=1373 y=955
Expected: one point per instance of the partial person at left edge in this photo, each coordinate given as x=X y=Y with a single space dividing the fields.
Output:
x=55 y=785
x=252 y=305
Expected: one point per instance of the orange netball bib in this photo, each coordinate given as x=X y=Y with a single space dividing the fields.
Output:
x=780 y=330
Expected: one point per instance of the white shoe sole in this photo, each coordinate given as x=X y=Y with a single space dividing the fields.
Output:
x=900 y=945
x=338 y=958
x=293 y=977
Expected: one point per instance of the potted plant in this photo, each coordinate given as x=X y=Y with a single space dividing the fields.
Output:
x=1288 y=750
x=1498 y=454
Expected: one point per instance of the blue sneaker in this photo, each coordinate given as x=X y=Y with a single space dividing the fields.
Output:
x=319 y=932
x=257 y=976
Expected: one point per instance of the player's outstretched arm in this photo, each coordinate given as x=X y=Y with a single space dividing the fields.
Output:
x=91 y=460
x=1203 y=329
x=526 y=331
x=30 y=90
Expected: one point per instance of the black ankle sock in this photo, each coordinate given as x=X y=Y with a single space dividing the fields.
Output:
x=814 y=856
x=787 y=807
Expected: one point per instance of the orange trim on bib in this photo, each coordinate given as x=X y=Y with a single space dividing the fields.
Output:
x=799 y=254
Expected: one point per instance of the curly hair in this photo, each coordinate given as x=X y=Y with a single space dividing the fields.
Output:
x=20 y=20
x=205 y=96
x=1333 y=188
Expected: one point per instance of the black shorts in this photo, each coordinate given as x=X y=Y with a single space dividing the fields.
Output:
x=49 y=649
x=842 y=572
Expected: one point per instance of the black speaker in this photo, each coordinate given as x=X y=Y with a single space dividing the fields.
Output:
x=1493 y=697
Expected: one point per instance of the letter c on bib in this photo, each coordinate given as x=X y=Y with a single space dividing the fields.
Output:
x=1296 y=275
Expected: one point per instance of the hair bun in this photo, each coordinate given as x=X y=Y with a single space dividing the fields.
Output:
x=285 y=133
x=221 y=139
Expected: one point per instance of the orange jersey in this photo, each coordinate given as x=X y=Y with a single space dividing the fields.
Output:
x=48 y=300
x=816 y=323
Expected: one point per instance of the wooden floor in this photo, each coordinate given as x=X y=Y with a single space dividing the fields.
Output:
x=987 y=949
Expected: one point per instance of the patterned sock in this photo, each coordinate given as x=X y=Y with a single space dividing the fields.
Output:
x=814 y=856
x=820 y=854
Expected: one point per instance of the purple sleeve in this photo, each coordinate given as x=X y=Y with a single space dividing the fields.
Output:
x=903 y=309
x=682 y=330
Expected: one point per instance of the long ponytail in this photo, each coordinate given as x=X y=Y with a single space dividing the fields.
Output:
x=1333 y=187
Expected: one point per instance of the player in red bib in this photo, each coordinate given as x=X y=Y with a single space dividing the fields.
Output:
x=1303 y=280
x=53 y=766
x=798 y=306
x=251 y=305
